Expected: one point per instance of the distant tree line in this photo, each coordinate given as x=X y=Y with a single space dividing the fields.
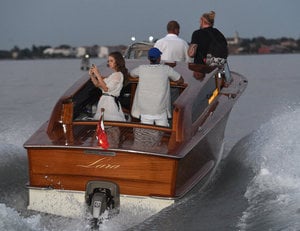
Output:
x=36 y=52
x=281 y=45
x=243 y=46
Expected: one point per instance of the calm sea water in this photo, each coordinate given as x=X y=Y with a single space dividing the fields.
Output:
x=256 y=188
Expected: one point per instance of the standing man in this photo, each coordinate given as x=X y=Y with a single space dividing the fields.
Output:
x=173 y=48
x=152 y=100
x=207 y=40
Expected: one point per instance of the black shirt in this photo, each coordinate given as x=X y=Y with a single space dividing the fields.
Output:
x=203 y=38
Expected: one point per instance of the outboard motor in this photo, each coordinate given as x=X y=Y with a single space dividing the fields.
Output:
x=98 y=204
x=101 y=196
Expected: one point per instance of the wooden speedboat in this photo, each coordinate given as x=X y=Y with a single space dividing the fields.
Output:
x=69 y=172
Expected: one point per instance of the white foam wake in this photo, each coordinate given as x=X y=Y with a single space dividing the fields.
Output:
x=274 y=193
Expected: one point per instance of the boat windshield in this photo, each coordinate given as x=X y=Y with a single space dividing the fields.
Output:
x=138 y=50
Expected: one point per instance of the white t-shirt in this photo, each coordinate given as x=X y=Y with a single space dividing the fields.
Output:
x=153 y=91
x=173 y=48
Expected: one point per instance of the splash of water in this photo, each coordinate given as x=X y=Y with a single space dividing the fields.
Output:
x=10 y=219
x=274 y=193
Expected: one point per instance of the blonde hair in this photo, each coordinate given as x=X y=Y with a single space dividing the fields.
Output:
x=209 y=17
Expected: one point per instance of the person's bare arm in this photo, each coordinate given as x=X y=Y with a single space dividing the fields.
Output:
x=180 y=80
x=192 y=50
x=97 y=79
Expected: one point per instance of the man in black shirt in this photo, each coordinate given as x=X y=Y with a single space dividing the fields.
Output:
x=207 y=40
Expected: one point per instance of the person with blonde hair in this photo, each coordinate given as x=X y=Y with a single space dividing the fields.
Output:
x=208 y=41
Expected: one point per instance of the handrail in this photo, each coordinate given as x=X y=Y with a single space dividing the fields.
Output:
x=125 y=124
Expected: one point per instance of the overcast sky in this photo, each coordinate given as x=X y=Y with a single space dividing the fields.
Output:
x=111 y=22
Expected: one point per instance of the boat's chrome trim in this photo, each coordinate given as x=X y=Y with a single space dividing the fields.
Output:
x=99 y=152
x=100 y=149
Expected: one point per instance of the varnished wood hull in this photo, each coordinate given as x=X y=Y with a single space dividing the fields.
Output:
x=71 y=169
x=141 y=174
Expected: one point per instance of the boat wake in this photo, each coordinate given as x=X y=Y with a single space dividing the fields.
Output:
x=274 y=192
x=11 y=219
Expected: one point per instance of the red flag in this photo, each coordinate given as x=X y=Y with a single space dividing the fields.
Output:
x=100 y=132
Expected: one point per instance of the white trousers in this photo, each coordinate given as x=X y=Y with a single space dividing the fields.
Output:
x=158 y=119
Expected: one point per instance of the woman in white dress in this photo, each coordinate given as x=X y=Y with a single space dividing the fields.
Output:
x=111 y=87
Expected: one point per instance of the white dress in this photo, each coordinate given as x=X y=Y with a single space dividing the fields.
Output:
x=112 y=110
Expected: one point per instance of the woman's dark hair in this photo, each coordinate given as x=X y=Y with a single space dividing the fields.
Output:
x=120 y=65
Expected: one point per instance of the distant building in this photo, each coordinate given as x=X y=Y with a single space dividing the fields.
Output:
x=103 y=52
x=234 y=44
x=235 y=40
x=289 y=43
x=264 y=50
x=15 y=54
x=80 y=52
x=59 y=52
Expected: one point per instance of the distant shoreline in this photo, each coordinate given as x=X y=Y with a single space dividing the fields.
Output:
x=236 y=46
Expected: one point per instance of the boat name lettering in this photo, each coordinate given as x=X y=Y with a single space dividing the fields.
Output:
x=100 y=163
